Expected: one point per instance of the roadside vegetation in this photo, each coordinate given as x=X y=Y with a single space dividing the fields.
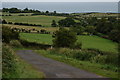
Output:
x=12 y=65
x=63 y=55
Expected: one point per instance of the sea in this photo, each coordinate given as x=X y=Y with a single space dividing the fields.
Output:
x=66 y=7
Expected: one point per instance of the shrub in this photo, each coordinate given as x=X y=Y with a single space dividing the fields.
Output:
x=99 y=59
x=112 y=59
x=21 y=15
x=110 y=67
x=10 y=23
x=8 y=34
x=78 y=46
x=77 y=54
x=53 y=23
x=92 y=55
x=42 y=31
x=83 y=55
x=4 y=22
x=66 y=52
x=67 y=22
x=15 y=43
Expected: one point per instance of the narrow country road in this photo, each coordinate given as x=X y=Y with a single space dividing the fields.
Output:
x=52 y=68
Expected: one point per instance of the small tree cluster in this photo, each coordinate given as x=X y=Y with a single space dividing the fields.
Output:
x=64 y=38
x=54 y=23
x=67 y=22
x=8 y=34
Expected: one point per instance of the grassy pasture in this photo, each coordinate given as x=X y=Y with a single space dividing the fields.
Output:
x=88 y=41
x=38 y=38
x=98 y=43
x=38 y=19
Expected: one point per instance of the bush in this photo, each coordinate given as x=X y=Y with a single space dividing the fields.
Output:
x=10 y=23
x=67 y=22
x=8 y=62
x=83 y=55
x=64 y=38
x=76 y=54
x=92 y=55
x=110 y=67
x=15 y=43
x=78 y=46
x=4 y=22
x=43 y=31
x=8 y=34
x=21 y=15
x=112 y=59
x=99 y=59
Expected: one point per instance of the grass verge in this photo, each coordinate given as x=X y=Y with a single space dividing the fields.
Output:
x=14 y=67
x=86 y=65
x=26 y=70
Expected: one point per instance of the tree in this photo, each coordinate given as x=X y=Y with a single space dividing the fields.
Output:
x=4 y=22
x=92 y=21
x=14 y=10
x=112 y=19
x=90 y=29
x=64 y=38
x=67 y=22
x=5 y=9
x=47 y=12
x=54 y=12
x=78 y=29
x=114 y=35
x=8 y=34
x=53 y=23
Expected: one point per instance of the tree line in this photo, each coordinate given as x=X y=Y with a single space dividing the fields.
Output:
x=35 y=12
x=19 y=23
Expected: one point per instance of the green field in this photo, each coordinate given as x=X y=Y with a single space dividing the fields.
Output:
x=39 y=19
x=87 y=41
x=39 y=38
x=98 y=43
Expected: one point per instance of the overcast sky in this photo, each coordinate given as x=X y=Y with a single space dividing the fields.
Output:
x=60 y=0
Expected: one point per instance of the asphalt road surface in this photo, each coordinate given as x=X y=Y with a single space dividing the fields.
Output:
x=53 y=68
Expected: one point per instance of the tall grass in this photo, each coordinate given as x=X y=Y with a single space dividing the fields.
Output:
x=110 y=60
x=8 y=62
x=14 y=67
